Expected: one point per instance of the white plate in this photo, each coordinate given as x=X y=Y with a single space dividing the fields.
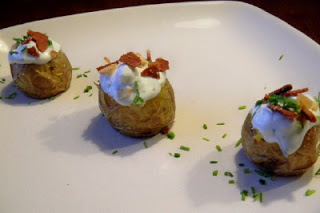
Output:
x=56 y=156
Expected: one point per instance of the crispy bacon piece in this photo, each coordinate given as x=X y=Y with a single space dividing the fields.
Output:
x=309 y=115
x=161 y=64
x=286 y=113
x=282 y=89
x=295 y=92
x=40 y=39
x=33 y=51
x=27 y=40
x=131 y=59
x=151 y=71
x=108 y=68
x=53 y=53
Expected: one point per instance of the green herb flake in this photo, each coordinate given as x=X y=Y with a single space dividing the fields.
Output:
x=137 y=98
x=228 y=174
x=145 y=144
x=263 y=174
x=177 y=155
x=242 y=107
x=232 y=182
x=24 y=49
x=220 y=124
x=224 y=135
x=281 y=56
x=261 y=197
x=18 y=40
x=75 y=68
x=84 y=75
x=318 y=172
x=115 y=152
x=213 y=162
x=239 y=142
x=87 y=89
x=253 y=190
x=79 y=76
x=87 y=71
x=49 y=42
x=215 y=173
x=206 y=139
x=218 y=148
x=185 y=148
x=310 y=192
x=76 y=97
x=246 y=171
x=299 y=125
x=0 y=97
x=171 y=135
x=244 y=194
x=205 y=126
x=90 y=95
x=262 y=182
x=11 y=96
x=13 y=52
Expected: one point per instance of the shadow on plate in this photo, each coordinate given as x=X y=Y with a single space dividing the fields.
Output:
x=86 y=132
x=13 y=96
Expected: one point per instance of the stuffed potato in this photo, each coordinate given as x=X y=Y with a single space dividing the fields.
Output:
x=136 y=104
x=38 y=67
x=280 y=137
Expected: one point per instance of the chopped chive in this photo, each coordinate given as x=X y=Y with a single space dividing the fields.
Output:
x=176 y=155
x=171 y=135
x=228 y=174
x=11 y=96
x=84 y=75
x=246 y=171
x=224 y=135
x=24 y=49
x=184 y=148
x=241 y=164
x=115 y=152
x=242 y=107
x=244 y=194
x=239 y=142
x=145 y=144
x=0 y=98
x=75 y=68
x=218 y=148
x=220 y=124
x=231 y=182
x=253 y=190
x=281 y=56
x=215 y=173
x=205 y=126
x=90 y=95
x=299 y=125
x=261 y=197
x=263 y=174
x=310 y=192
x=79 y=76
x=318 y=172
x=18 y=40
x=87 y=71
x=206 y=139
x=13 y=52
x=76 y=97
x=262 y=182
x=87 y=89
x=170 y=153
x=213 y=162
x=49 y=42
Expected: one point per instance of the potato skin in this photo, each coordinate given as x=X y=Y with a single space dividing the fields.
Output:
x=268 y=156
x=43 y=80
x=136 y=121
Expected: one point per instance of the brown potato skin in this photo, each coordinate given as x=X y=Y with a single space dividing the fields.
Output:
x=42 y=81
x=268 y=156
x=136 y=121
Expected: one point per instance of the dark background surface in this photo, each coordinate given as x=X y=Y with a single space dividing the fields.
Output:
x=303 y=15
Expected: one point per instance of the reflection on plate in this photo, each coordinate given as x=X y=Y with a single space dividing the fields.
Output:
x=57 y=155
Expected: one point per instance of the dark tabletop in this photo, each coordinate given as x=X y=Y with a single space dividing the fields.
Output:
x=301 y=14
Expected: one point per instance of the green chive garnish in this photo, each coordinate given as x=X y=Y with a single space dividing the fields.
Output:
x=231 y=182
x=206 y=139
x=87 y=89
x=310 y=192
x=171 y=135
x=244 y=194
x=281 y=56
x=145 y=144
x=228 y=174
x=242 y=107
x=76 y=68
x=76 y=97
x=13 y=52
x=176 y=155
x=87 y=71
x=263 y=174
x=49 y=42
x=213 y=162
x=218 y=148
x=253 y=190
x=246 y=171
x=90 y=95
x=115 y=152
x=84 y=75
x=215 y=173
x=261 y=197
x=205 y=126
x=137 y=98
x=220 y=124
x=239 y=142
x=224 y=135
x=184 y=148
x=11 y=96
x=318 y=172
x=79 y=76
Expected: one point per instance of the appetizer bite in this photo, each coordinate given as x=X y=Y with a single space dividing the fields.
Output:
x=135 y=96
x=39 y=68
x=280 y=134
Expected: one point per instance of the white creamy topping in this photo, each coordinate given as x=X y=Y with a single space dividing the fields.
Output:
x=276 y=128
x=21 y=56
x=121 y=84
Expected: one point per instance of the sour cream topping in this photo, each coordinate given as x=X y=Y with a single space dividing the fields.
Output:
x=126 y=83
x=276 y=128
x=21 y=56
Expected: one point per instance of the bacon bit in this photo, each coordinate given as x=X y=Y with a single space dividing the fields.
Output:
x=107 y=60
x=310 y=116
x=282 y=89
x=53 y=53
x=149 y=55
x=27 y=40
x=165 y=130
x=104 y=66
x=151 y=71
x=108 y=69
x=40 y=39
x=130 y=59
x=286 y=113
x=295 y=92
x=306 y=105
x=161 y=64
x=33 y=51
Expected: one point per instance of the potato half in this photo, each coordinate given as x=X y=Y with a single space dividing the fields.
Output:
x=43 y=80
x=268 y=156
x=136 y=121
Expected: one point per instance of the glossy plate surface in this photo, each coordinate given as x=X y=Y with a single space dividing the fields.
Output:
x=56 y=155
